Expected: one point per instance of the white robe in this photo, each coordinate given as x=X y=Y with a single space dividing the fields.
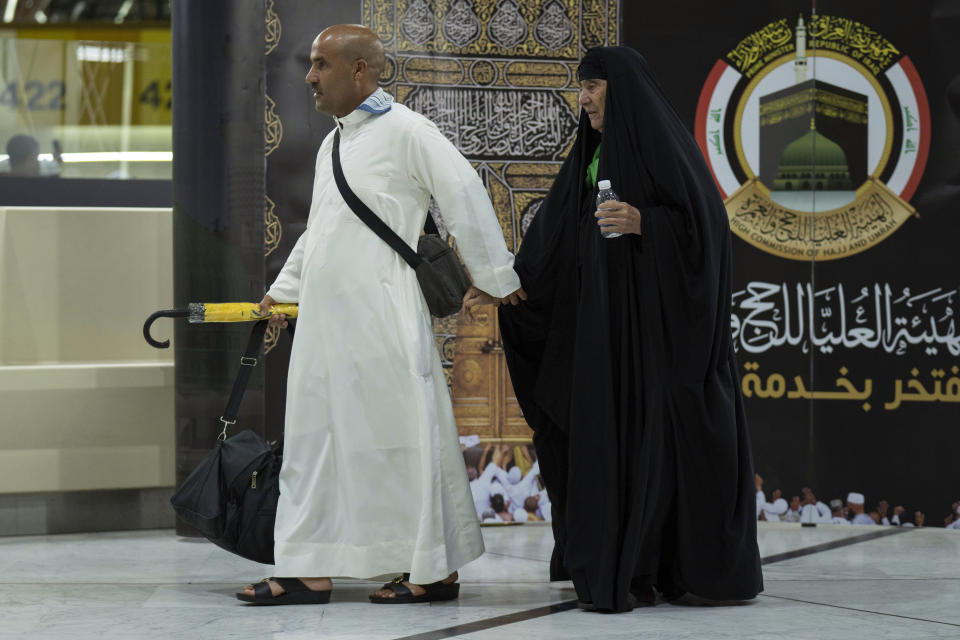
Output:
x=818 y=512
x=373 y=479
x=527 y=486
x=773 y=511
x=481 y=487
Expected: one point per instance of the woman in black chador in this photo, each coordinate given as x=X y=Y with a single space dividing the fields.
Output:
x=622 y=360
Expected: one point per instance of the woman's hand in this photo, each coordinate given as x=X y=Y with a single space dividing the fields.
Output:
x=618 y=216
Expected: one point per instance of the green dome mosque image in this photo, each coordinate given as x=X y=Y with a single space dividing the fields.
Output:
x=813 y=161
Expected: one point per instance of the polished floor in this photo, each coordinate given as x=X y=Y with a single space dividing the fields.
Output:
x=832 y=581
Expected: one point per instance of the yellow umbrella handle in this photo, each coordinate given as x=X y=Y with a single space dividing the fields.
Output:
x=236 y=311
x=215 y=312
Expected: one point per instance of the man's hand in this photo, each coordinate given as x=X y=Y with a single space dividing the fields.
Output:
x=618 y=216
x=483 y=458
x=475 y=296
x=276 y=320
x=497 y=457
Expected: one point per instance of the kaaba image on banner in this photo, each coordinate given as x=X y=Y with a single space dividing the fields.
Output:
x=813 y=136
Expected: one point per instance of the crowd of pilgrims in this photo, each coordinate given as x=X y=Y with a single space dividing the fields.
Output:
x=505 y=483
x=806 y=508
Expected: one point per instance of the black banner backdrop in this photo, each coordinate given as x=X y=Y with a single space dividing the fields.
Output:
x=846 y=289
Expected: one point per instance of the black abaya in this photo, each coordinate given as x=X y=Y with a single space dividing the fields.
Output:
x=623 y=365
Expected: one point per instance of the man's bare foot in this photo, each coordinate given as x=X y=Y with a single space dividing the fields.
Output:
x=314 y=584
x=415 y=589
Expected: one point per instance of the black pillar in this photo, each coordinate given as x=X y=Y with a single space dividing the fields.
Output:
x=218 y=205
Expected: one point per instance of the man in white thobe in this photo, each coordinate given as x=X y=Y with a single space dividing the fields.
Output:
x=526 y=486
x=761 y=497
x=838 y=512
x=855 y=502
x=373 y=479
x=774 y=511
x=793 y=510
x=482 y=487
x=954 y=524
x=519 y=486
x=811 y=509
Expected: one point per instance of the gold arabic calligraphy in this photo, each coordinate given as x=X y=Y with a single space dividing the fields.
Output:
x=775 y=386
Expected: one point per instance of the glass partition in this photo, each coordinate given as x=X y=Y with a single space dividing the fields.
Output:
x=85 y=109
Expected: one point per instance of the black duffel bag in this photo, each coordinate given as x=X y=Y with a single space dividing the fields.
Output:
x=231 y=497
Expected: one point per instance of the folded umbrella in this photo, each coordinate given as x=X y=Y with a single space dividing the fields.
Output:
x=197 y=312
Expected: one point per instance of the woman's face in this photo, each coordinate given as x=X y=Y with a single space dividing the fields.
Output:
x=593 y=97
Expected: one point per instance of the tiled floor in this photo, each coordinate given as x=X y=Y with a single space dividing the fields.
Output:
x=156 y=585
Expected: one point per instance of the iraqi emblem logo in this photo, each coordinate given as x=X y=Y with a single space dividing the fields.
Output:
x=817 y=136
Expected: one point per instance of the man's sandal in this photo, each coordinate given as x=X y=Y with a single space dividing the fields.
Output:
x=435 y=592
x=294 y=592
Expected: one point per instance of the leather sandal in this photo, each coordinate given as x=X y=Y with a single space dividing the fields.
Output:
x=294 y=592
x=435 y=592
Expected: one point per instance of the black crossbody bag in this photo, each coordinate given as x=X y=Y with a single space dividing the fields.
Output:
x=442 y=277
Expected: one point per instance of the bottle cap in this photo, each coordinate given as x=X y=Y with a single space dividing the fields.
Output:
x=604 y=184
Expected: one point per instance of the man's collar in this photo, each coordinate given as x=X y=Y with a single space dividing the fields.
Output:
x=377 y=103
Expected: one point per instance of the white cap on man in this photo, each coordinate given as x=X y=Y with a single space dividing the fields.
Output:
x=855 y=498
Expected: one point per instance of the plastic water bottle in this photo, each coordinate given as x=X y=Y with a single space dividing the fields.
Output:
x=606 y=193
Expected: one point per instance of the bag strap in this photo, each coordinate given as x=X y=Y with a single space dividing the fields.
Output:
x=368 y=217
x=247 y=362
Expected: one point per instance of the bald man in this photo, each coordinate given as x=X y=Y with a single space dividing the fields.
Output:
x=373 y=479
